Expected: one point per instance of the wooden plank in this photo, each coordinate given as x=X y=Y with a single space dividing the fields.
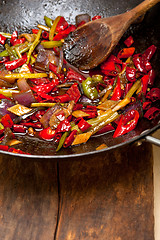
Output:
x=107 y=196
x=28 y=199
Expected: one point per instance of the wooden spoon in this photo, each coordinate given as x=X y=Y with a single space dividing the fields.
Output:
x=90 y=44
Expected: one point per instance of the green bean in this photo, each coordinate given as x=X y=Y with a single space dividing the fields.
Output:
x=8 y=92
x=7 y=35
x=34 y=44
x=134 y=88
x=48 y=21
x=10 y=51
x=53 y=28
x=112 y=117
x=89 y=89
x=51 y=44
x=62 y=140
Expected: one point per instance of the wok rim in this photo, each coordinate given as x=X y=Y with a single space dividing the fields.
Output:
x=75 y=155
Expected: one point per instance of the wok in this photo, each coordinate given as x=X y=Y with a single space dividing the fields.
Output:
x=23 y=15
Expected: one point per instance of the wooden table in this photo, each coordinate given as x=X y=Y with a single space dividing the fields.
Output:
x=103 y=196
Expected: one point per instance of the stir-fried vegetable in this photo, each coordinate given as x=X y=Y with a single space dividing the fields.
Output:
x=43 y=96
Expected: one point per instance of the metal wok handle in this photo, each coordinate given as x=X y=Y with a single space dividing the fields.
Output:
x=152 y=140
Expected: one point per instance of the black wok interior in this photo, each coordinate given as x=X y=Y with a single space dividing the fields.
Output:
x=23 y=15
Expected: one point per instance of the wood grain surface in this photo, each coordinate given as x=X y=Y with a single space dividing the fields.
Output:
x=28 y=199
x=106 y=196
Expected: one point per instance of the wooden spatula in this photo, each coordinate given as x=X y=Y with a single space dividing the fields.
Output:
x=91 y=44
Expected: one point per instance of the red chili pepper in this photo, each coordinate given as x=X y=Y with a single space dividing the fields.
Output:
x=96 y=17
x=139 y=64
x=154 y=94
x=105 y=129
x=149 y=52
x=2 y=39
x=64 y=33
x=111 y=65
x=62 y=25
x=62 y=98
x=73 y=75
x=45 y=96
x=39 y=81
x=147 y=105
x=74 y=92
x=126 y=52
x=57 y=137
x=19 y=41
x=47 y=133
x=91 y=113
x=4 y=147
x=83 y=125
x=45 y=35
x=108 y=80
x=70 y=139
x=11 y=65
x=117 y=91
x=152 y=113
x=53 y=68
x=77 y=106
x=152 y=76
x=129 y=41
x=46 y=88
x=4 y=59
x=19 y=128
x=147 y=65
x=14 y=37
x=127 y=123
x=63 y=126
x=7 y=121
x=37 y=125
x=90 y=107
x=4 y=97
x=144 y=81
x=131 y=74
x=35 y=31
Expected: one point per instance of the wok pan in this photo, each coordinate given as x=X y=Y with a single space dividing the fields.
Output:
x=23 y=15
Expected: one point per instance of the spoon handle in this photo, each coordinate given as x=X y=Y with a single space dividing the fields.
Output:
x=141 y=8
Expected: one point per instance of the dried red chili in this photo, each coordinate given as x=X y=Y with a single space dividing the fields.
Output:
x=70 y=139
x=152 y=113
x=11 y=65
x=127 y=123
x=14 y=37
x=74 y=92
x=7 y=121
x=149 y=52
x=154 y=94
x=129 y=41
x=131 y=74
x=63 y=126
x=139 y=64
x=45 y=35
x=126 y=52
x=73 y=75
x=83 y=125
x=47 y=133
x=2 y=39
x=152 y=76
x=144 y=81
x=63 y=34
x=117 y=91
